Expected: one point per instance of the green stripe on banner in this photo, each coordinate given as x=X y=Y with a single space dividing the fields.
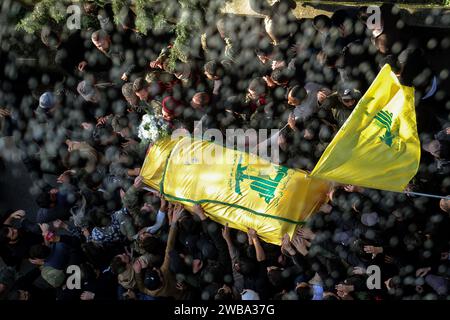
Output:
x=161 y=188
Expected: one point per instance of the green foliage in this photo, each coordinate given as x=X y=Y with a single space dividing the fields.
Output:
x=143 y=22
x=178 y=51
x=117 y=6
x=44 y=12
x=184 y=17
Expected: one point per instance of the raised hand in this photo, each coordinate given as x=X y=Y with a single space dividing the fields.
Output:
x=373 y=250
x=286 y=245
x=226 y=233
x=138 y=182
x=199 y=212
x=252 y=234
x=177 y=212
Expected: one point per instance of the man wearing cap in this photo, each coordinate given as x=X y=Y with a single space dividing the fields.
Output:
x=47 y=103
x=339 y=105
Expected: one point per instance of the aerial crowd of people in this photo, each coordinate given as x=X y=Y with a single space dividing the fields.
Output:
x=74 y=114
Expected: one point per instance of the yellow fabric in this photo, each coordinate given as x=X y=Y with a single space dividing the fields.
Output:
x=237 y=188
x=378 y=146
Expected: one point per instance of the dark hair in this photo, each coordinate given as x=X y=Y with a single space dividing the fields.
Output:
x=321 y=21
x=276 y=278
x=98 y=217
x=43 y=200
x=89 y=181
x=119 y=122
x=117 y=265
x=281 y=75
x=152 y=245
x=330 y=297
x=212 y=273
x=142 y=220
x=188 y=225
x=258 y=85
x=298 y=92
x=152 y=280
x=99 y=34
x=96 y=255
x=129 y=93
x=50 y=37
x=215 y=68
x=392 y=61
x=339 y=17
x=304 y=293
x=202 y=97
x=39 y=251
x=139 y=84
x=222 y=295
x=247 y=266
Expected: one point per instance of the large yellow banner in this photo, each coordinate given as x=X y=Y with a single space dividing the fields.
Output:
x=378 y=146
x=233 y=187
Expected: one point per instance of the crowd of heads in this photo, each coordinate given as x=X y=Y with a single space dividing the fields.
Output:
x=74 y=112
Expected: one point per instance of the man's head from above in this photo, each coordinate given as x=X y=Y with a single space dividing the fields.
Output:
x=47 y=102
x=147 y=208
x=121 y=126
x=296 y=95
x=88 y=91
x=101 y=40
x=200 y=100
x=322 y=23
x=257 y=88
x=50 y=38
x=278 y=277
x=146 y=90
x=214 y=70
x=120 y=263
x=129 y=94
x=38 y=253
x=265 y=51
x=246 y=266
x=171 y=108
x=224 y=293
x=141 y=89
x=47 y=197
x=349 y=97
x=153 y=279
x=304 y=291
x=341 y=21
x=281 y=76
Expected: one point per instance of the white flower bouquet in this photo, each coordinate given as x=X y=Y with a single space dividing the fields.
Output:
x=152 y=128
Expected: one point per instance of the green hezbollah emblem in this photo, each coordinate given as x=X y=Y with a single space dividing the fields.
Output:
x=384 y=120
x=263 y=184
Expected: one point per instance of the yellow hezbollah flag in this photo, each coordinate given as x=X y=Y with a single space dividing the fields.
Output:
x=233 y=187
x=378 y=146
